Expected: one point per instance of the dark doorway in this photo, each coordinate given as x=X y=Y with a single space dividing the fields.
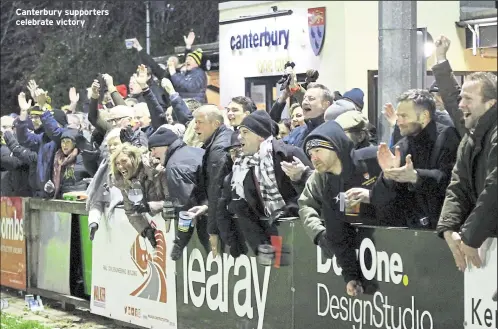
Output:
x=264 y=91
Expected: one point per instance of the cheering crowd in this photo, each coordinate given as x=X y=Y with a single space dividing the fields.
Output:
x=232 y=174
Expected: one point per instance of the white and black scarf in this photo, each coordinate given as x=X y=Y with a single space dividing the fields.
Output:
x=265 y=174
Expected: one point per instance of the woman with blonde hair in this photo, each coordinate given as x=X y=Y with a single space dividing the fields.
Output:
x=101 y=193
x=143 y=188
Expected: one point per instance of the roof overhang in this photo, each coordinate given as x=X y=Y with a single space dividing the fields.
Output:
x=480 y=29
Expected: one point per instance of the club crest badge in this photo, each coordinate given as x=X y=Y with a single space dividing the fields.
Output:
x=316 y=28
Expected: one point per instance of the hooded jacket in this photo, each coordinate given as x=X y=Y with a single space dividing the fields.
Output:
x=470 y=204
x=321 y=197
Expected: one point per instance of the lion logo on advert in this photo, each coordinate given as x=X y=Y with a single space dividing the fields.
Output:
x=152 y=266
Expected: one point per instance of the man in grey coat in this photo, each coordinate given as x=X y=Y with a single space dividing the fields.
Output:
x=182 y=163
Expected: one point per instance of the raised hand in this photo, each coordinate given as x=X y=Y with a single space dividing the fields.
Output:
x=136 y=44
x=141 y=76
x=294 y=170
x=390 y=114
x=74 y=97
x=405 y=174
x=386 y=159
x=168 y=86
x=40 y=97
x=109 y=81
x=442 y=45
x=189 y=40
x=95 y=89
x=32 y=86
x=23 y=104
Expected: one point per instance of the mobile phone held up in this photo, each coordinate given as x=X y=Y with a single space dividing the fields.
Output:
x=129 y=43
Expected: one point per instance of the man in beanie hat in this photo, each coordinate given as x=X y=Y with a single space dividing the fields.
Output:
x=193 y=83
x=261 y=192
x=326 y=212
x=355 y=96
x=181 y=163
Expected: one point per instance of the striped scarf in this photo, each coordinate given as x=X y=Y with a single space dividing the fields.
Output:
x=265 y=174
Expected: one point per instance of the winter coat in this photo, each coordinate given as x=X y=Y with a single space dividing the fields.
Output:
x=433 y=153
x=470 y=205
x=213 y=171
x=16 y=181
x=153 y=185
x=71 y=173
x=157 y=117
x=192 y=84
x=15 y=174
x=181 y=112
x=182 y=165
x=45 y=148
x=251 y=209
x=449 y=90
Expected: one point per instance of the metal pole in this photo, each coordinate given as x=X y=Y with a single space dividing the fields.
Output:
x=147 y=27
x=397 y=56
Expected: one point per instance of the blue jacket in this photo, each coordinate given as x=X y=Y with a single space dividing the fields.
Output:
x=297 y=135
x=192 y=84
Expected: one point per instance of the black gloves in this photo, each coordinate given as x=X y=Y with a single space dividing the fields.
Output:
x=126 y=135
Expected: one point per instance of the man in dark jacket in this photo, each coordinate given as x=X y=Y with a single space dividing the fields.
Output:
x=15 y=166
x=261 y=191
x=182 y=163
x=38 y=140
x=15 y=172
x=414 y=179
x=230 y=231
x=193 y=83
x=323 y=206
x=447 y=85
x=215 y=136
x=469 y=212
